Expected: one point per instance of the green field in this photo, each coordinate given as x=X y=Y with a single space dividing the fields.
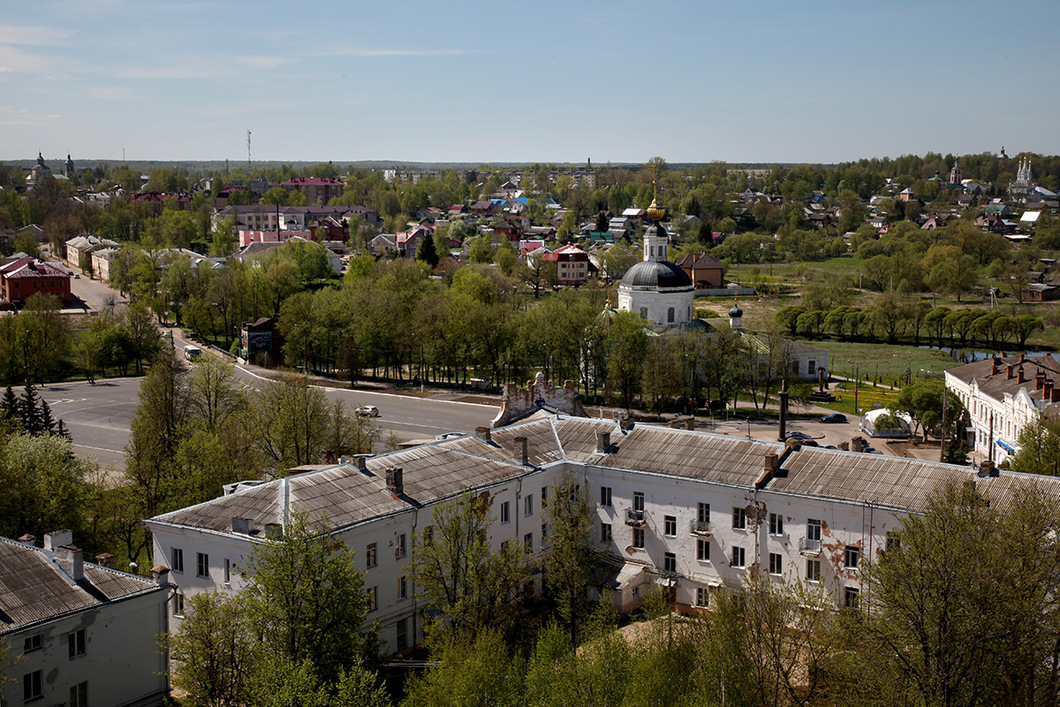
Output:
x=885 y=362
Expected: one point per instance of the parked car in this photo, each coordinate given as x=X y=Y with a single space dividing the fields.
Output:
x=834 y=418
x=795 y=434
x=367 y=411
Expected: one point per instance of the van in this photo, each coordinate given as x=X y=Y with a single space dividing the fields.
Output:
x=192 y=353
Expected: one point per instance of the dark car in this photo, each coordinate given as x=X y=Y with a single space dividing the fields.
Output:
x=835 y=417
x=794 y=434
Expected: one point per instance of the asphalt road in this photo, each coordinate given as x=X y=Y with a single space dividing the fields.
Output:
x=99 y=415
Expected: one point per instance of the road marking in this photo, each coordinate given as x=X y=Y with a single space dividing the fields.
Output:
x=372 y=392
x=100 y=449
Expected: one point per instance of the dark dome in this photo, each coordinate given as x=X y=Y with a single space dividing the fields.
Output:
x=655 y=273
x=735 y=312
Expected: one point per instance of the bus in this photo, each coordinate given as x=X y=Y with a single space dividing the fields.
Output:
x=192 y=353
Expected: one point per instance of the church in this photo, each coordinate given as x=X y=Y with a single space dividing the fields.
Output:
x=656 y=289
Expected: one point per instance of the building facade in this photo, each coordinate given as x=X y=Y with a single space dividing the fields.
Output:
x=21 y=279
x=84 y=633
x=689 y=510
x=655 y=288
x=1002 y=396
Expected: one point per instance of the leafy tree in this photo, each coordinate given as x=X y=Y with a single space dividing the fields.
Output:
x=456 y=573
x=45 y=485
x=922 y=401
x=1039 y=448
x=306 y=601
x=568 y=560
x=427 y=252
x=627 y=341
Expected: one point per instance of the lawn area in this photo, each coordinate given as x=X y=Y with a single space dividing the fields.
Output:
x=885 y=362
x=868 y=398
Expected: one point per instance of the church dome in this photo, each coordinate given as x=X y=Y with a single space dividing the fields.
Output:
x=656 y=273
x=735 y=312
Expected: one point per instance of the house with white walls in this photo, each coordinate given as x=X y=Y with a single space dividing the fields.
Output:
x=687 y=510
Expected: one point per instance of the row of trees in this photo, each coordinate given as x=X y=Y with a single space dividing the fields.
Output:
x=893 y=316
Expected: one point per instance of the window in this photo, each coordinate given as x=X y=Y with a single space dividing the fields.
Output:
x=428 y=535
x=369 y=555
x=703 y=550
x=636 y=592
x=813 y=570
x=670 y=562
x=544 y=497
x=506 y=512
x=643 y=312
x=528 y=505
x=813 y=535
x=178 y=604
x=32 y=643
x=402 y=588
x=893 y=542
x=32 y=686
x=776 y=563
x=702 y=596
x=670 y=315
x=638 y=537
x=504 y=546
x=76 y=643
x=776 y=524
x=400 y=551
x=811 y=367
x=228 y=570
x=739 y=518
x=402 y=634
x=703 y=513
x=638 y=500
x=605 y=532
x=528 y=542
x=544 y=531
x=79 y=695
x=738 y=559
x=373 y=598
x=850 y=597
x=605 y=496
x=176 y=556
x=851 y=557
x=202 y=564
x=670 y=526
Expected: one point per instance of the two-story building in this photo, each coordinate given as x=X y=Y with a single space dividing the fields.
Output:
x=82 y=633
x=21 y=279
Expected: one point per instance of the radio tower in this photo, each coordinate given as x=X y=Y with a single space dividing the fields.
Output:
x=248 y=154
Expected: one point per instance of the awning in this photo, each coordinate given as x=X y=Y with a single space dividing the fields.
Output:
x=627 y=576
x=666 y=581
x=1006 y=446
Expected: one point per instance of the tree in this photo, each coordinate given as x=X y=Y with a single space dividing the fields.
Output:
x=1039 y=448
x=291 y=420
x=922 y=401
x=45 y=485
x=962 y=606
x=306 y=601
x=427 y=252
x=568 y=560
x=456 y=573
x=627 y=341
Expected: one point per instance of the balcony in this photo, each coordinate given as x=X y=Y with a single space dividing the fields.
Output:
x=810 y=547
x=701 y=528
x=635 y=519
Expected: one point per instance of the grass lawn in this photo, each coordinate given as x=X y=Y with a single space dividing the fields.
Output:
x=868 y=398
x=885 y=361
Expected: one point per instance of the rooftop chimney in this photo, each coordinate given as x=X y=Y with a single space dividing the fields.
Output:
x=361 y=461
x=857 y=443
x=603 y=442
x=1023 y=358
x=1039 y=379
x=995 y=364
x=1056 y=394
x=525 y=455
x=242 y=526
x=1019 y=373
x=987 y=468
x=1010 y=370
x=160 y=574
x=1047 y=389
x=105 y=559
x=484 y=433
x=56 y=538
x=69 y=558
x=772 y=463
x=29 y=539
x=395 y=480
x=690 y=423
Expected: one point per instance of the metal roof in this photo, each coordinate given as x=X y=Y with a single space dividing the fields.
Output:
x=33 y=588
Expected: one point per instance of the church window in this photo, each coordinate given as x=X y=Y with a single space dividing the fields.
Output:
x=670 y=315
x=644 y=312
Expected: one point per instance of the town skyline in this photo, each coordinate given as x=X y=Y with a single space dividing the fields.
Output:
x=705 y=82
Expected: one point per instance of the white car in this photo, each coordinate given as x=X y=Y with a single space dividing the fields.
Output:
x=367 y=411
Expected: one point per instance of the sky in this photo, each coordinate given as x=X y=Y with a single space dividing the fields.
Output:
x=549 y=81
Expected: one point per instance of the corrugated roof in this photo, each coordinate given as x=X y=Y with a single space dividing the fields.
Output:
x=33 y=588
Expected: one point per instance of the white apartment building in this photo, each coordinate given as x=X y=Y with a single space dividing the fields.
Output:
x=689 y=510
x=1002 y=396
x=82 y=633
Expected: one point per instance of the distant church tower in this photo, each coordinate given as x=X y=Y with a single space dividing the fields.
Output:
x=955 y=173
x=1024 y=182
x=69 y=167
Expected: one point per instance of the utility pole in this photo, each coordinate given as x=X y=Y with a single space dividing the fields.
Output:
x=942 y=443
x=248 y=158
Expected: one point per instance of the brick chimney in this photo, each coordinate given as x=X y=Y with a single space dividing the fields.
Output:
x=994 y=366
x=29 y=539
x=105 y=559
x=485 y=433
x=524 y=456
x=603 y=442
x=772 y=463
x=1020 y=375
x=57 y=538
x=160 y=575
x=1047 y=389
x=1023 y=358
x=395 y=480
x=1011 y=369
x=69 y=558
x=361 y=461
x=1039 y=379
x=856 y=443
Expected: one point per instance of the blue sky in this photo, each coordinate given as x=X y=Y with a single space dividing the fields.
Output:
x=618 y=81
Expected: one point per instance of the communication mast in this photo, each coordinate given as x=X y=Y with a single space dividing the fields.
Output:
x=248 y=154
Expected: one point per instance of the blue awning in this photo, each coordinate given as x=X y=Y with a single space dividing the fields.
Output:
x=1006 y=446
